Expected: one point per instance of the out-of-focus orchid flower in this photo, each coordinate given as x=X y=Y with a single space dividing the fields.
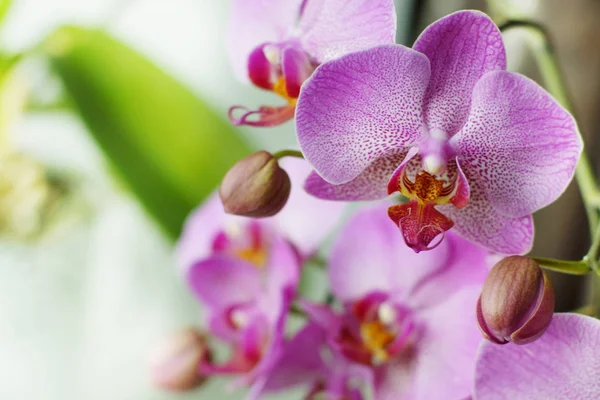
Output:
x=277 y=44
x=308 y=361
x=304 y=221
x=409 y=319
x=562 y=364
x=469 y=144
x=245 y=271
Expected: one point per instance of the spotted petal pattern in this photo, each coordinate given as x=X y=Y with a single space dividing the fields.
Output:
x=356 y=109
x=522 y=144
x=481 y=223
x=461 y=48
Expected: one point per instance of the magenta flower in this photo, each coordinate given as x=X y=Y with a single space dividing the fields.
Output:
x=408 y=319
x=277 y=44
x=469 y=144
x=308 y=361
x=562 y=364
x=245 y=272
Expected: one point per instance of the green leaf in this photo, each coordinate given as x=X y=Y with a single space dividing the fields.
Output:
x=166 y=143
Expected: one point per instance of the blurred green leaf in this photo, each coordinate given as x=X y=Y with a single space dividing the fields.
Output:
x=166 y=143
x=5 y=6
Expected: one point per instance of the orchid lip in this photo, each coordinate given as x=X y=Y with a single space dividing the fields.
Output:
x=265 y=116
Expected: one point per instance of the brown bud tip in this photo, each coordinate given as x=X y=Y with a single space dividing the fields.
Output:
x=516 y=303
x=255 y=187
x=175 y=362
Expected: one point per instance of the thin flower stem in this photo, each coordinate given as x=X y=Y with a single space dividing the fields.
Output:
x=544 y=53
x=288 y=153
x=566 y=267
x=592 y=255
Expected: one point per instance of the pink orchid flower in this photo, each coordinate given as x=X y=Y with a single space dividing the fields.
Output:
x=246 y=272
x=306 y=360
x=408 y=319
x=277 y=44
x=562 y=364
x=470 y=145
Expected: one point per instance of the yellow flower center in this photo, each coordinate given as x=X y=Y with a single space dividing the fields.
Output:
x=376 y=337
x=281 y=90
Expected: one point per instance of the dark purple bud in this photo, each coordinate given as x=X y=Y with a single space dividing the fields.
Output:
x=516 y=302
x=175 y=363
x=255 y=187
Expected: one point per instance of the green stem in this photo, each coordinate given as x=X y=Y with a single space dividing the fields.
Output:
x=288 y=153
x=566 y=267
x=543 y=51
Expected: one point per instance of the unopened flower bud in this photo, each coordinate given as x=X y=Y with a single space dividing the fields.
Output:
x=175 y=363
x=255 y=187
x=516 y=303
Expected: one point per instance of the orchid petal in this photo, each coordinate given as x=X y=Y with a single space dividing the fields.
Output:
x=481 y=223
x=200 y=231
x=522 y=144
x=258 y=21
x=368 y=256
x=261 y=70
x=562 y=364
x=360 y=107
x=369 y=185
x=305 y=220
x=461 y=48
x=448 y=347
x=281 y=279
x=297 y=67
x=331 y=28
x=466 y=264
x=221 y=281
x=300 y=361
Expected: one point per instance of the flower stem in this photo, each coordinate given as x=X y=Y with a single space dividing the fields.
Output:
x=288 y=153
x=566 y=267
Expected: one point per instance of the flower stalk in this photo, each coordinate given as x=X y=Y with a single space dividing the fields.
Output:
x=288 y=153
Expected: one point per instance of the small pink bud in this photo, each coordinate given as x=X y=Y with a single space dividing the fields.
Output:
x=255 y=187
x=175 y=362
x=516 y=303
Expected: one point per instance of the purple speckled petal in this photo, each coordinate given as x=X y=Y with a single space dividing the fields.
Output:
x=481 y=223
x=448 y=348
x=331 y=28
x=360 y=107
x=461 y=48
x=562 y=364
x=305 y=220
x=368 y=256
x=254 y=22
x=222 y=281
x=521 y=143
x=369 y=185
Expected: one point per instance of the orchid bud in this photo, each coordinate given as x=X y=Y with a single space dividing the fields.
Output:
x=516 y=303
x=175 y=363
x=255 y=187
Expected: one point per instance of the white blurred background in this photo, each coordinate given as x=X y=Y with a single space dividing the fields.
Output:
x=81 y=309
